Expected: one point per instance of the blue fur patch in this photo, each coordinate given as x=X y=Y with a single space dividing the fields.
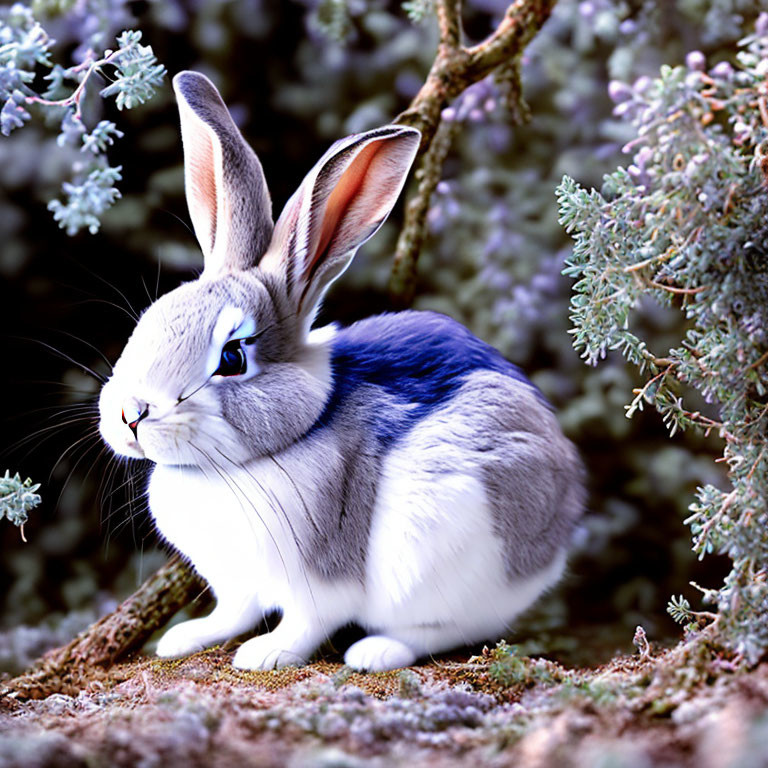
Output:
x=419 y=359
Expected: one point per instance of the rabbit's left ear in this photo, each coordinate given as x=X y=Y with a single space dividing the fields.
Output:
x=340 y=204
x=226 y=192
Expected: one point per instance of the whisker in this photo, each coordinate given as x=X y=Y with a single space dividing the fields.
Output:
x=60 y=386
x=49 y=431
x=99 y=377
x=106 y=282
x=76 y=464
x=146 y=290
x=311 y=519
x=128 y=480
x=179 y=219
x=131 y=518
x=157 y=279
x=43 y=435
x=90 y=346
x=116 y=464
x=137 y=505
x=131 y=313
x=75 y=412
x=79 y=441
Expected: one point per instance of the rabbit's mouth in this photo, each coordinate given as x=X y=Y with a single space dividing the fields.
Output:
x=191 y=441
x=184 y=434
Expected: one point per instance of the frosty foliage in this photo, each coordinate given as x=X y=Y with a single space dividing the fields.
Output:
x=17 y=498
x=137 y=73
x=25 y=50
x=684 y=223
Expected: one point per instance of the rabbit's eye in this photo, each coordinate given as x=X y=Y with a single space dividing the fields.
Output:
x=233 y=360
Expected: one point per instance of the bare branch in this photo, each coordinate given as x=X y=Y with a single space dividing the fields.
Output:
x=126 y=629
x=449 y=19
x=455 y=68
x=403 y=280
x=521 y=22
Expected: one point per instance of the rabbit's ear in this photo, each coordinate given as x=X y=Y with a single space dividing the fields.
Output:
x=227 y=195
x=343 y=200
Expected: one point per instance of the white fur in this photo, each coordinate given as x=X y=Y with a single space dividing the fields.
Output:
x=446 y=584
x=234 y=524
x=377 y=653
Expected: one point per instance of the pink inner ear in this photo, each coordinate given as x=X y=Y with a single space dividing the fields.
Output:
x=204 y=183
x=341 y=199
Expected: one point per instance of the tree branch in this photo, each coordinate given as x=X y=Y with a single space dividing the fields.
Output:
x=69 y=668
x=449 y=20
x=455 y=68
x=521 y=22
x=412 y=234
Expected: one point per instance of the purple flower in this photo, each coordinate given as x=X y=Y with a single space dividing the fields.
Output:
x=642 y=84
x=643 y=157
x=619 y=91
x=628 y=27
x=723 y=71
x=696 y=61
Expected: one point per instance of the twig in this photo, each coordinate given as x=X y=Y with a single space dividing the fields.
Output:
x=449 y=20
x=757 y=362
x=403 y=280
x=701 y=538
x=455 y=68
x=641 y=393
x=70 y=668
x=76 y=96
x=673 y=289
x=757 y=462
x=668 y=254
x=640 y=641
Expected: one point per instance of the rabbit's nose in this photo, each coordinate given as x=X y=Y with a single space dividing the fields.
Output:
x=133 y=412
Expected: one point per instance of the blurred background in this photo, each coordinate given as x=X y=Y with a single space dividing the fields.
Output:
x=297 y=76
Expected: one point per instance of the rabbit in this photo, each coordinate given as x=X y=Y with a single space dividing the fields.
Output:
x=398 y=473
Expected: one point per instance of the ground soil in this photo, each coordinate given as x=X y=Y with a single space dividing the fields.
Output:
x=691 y=705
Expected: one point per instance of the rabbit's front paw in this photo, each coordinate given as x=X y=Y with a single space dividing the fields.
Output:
x=377 y=653
x=291 y=643
x=267 y=652
x=182 y=640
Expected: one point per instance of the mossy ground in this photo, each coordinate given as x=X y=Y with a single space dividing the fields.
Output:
x=689 y=705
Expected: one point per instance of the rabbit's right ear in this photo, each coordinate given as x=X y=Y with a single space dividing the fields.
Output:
x=226 y=192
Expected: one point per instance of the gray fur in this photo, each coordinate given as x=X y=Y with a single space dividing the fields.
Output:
x=352 y=459
x=496 y=428
x=532 y=473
